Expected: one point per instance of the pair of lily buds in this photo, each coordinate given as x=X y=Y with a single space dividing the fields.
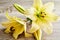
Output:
x=42 y=16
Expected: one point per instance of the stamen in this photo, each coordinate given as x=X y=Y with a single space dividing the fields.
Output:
x=41 y=12
x=12 y=28
x=42 y=16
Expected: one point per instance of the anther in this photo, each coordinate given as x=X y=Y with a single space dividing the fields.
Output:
x=41 y=12
x=42 y=16
x=12 y=28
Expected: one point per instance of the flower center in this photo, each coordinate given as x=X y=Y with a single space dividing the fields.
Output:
x=43 y=14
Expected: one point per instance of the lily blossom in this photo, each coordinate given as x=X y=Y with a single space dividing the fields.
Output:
x=42 y=16
x=15 y=25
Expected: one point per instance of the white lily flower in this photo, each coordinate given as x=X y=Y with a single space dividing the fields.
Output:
x=41 y=15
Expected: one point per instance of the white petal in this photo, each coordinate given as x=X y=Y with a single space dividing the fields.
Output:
x=34 y=28
x=51 y=17
x=58 y=19
x=31 y=12
x=37 y=4
x=49 y=7
x=47 y=28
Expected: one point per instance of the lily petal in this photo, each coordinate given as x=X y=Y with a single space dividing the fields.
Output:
x=35 y=35
x=47 y=28
x=18 y=30
x=34 y=27
x=52 y=17
x=31 y=12
x=9 y=17
x=8 y=25
x=58 y=18
x=38 y=34
x=14 y=19
x=49 y=7
x=28 y=35
x=37 y=4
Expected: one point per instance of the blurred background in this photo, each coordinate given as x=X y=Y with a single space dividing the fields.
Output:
x=8 y=5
